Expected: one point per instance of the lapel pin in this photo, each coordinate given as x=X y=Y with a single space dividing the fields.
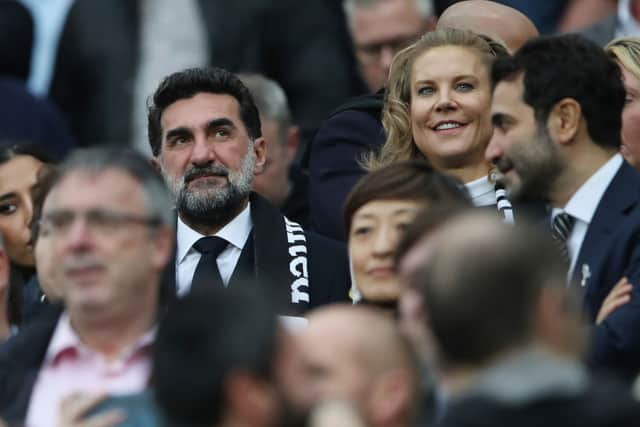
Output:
x=586 y=274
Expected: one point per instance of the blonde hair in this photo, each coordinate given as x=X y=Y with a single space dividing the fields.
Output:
x=626 y=51
x=396 y=117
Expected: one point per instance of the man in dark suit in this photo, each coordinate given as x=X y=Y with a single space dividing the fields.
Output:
x=110 y=232
x=205 y=135
x=557 y=114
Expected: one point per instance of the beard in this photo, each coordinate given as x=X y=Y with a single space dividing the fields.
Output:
x=538 y=164
x=211 y=204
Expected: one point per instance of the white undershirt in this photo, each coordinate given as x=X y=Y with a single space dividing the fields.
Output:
x=236 y=232
x=482 y=192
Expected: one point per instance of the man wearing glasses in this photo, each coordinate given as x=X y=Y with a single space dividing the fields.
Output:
x=109 y=228
x=380 y=28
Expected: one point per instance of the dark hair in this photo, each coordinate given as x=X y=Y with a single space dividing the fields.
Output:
x=9 y=149
x=201 y=342
x=507 y=269
x=188 y=83
x=406 y=180
x=569 y=66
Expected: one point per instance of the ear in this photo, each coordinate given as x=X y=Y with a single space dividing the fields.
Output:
x=391 y=397
x=293 y=141
x=564 y=121
x=155 y=163
x=260 y=150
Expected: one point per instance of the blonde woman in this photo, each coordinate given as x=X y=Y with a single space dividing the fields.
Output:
x=626 y=52
x=437 y=108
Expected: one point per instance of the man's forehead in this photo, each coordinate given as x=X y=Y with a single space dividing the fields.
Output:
x=510 y=90
x=87 y=185
x=199 y=110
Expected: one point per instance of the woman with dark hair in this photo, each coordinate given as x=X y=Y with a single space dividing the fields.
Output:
x=20 y=168
x=376 y=213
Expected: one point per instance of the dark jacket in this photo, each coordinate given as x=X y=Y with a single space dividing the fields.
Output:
x=273 y=259
x=20 y=361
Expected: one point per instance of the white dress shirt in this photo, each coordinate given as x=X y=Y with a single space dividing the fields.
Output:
x=236 y=232
x=583 y=204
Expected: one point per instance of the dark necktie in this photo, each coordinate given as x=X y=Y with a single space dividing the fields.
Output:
x=207 y=275
x=561 y=227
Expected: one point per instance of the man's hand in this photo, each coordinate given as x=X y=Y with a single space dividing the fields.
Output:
x=74 y=409
x=619 y=295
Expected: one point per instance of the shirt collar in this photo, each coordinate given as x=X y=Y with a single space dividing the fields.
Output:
x=235 y=232
x=584 y=202
x=65 y=339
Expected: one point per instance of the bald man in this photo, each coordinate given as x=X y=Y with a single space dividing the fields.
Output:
x=502 y=23
x=357 y=354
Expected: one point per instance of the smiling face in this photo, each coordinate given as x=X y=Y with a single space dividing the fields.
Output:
x=18 y=176
x=450 y=102
x=630 y=147
x=206 y=156
x=376 y=229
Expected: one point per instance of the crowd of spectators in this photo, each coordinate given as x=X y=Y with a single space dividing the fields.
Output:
x=384 y=213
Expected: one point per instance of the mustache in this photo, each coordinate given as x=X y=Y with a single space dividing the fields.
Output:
x=504 y=165
x=202 y=171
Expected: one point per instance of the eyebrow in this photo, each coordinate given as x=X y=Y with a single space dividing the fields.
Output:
x=498 y=119
x=211 y=124
x=395 y=212
x=8 y=196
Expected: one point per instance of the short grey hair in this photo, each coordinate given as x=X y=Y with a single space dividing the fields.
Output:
x=270 y=99
x=425 y=7
x=157 y=199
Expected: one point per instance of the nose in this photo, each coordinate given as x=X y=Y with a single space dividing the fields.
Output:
x=78 y=237
x=445 y=101
x=494 y=151
x=203 y=151
x=385 y=241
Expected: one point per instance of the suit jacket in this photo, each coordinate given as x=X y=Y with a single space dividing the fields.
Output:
x=267 y=260
x=603 y=31
x=20 y=361
x=611 y=250
x=334 y=158
x=286 y=40
x=604 y=404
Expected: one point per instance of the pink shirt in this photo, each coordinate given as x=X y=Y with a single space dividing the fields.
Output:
x=70 y=366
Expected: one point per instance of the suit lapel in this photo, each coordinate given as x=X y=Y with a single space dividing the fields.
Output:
x=619 y=199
